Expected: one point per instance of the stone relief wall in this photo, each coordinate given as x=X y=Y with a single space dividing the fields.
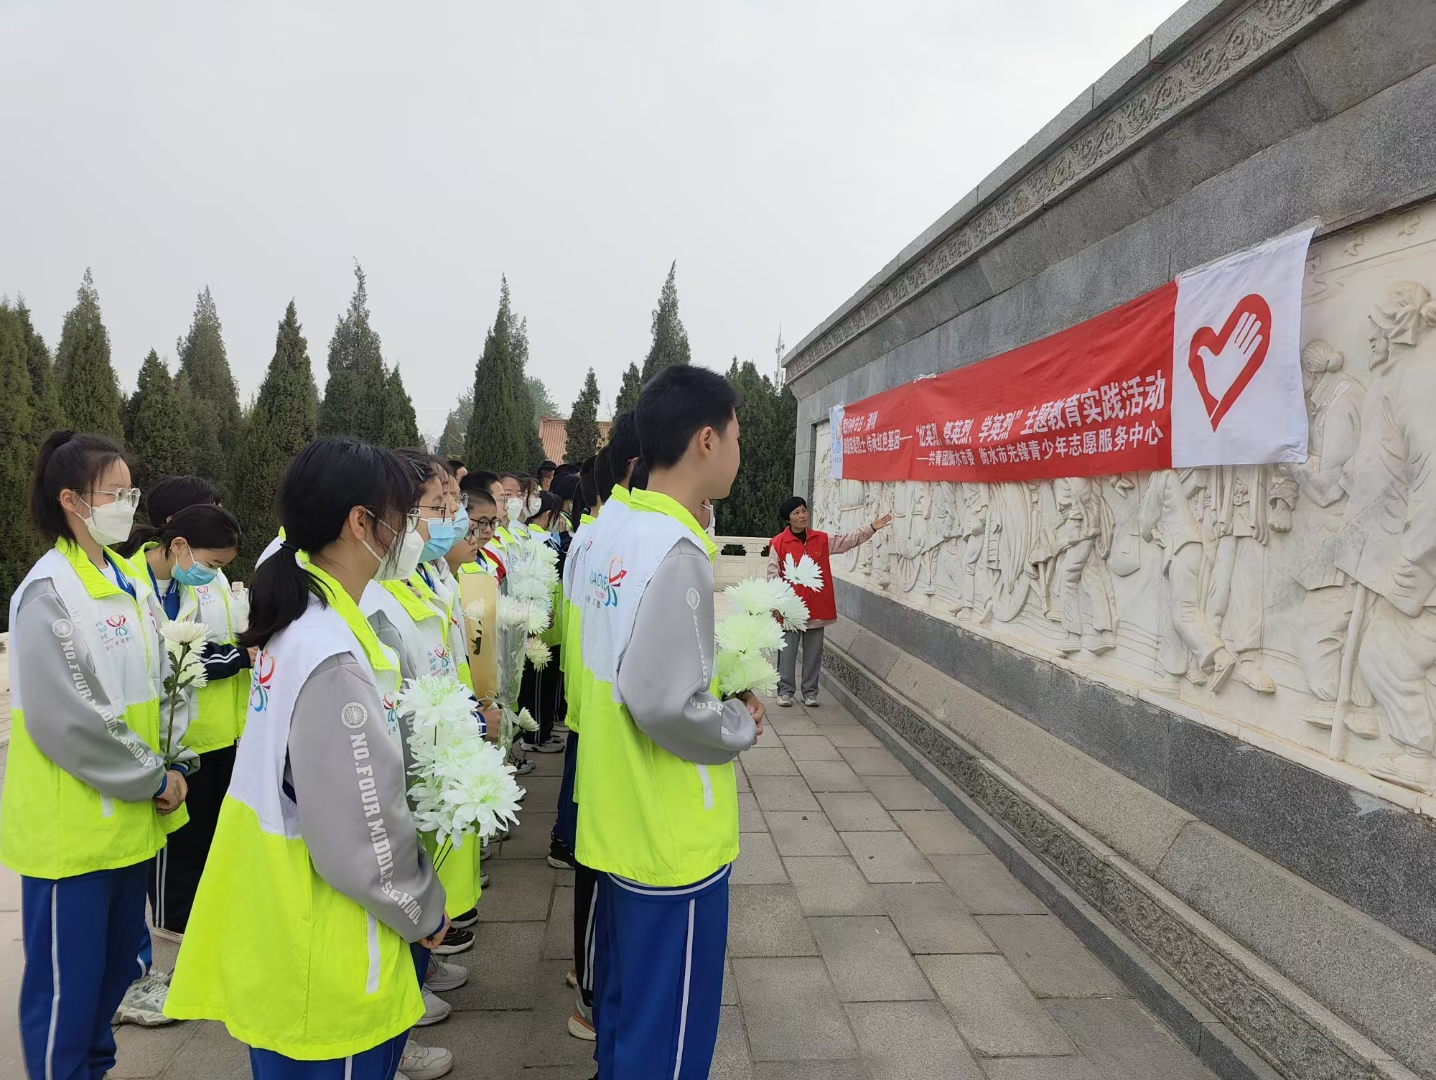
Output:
x=1292 y=606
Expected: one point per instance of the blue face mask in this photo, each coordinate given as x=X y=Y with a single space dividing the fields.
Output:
x=196 y=574
x=461 y=524
x=441 y=539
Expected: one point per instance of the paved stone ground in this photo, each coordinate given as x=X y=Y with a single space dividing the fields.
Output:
x=872 y=936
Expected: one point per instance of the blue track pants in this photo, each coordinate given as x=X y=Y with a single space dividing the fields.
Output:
x=81 y=935
x=659 y=977
x=380 y=1063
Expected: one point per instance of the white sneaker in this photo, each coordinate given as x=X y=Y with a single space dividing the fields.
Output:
x=425 y=1062
x=435 y=1009
x=144 y=1002
x=442 y=977
x=810 y=700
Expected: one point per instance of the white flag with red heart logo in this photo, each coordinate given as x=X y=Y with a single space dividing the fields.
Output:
x=1203 y=370
x=1236 y=363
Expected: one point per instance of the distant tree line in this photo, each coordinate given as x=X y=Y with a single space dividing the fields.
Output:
x=190 y=420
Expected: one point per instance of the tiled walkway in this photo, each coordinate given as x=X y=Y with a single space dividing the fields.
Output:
x=872 y=936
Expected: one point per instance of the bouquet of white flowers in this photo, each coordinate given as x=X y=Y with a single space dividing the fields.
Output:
x=184 y=641
x=525 y=608
x=463 y=786
x=748 y=638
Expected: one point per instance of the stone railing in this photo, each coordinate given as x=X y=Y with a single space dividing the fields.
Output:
x=751 y=545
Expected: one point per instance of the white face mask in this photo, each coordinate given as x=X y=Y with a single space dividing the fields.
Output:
x=110 y=524
x=401 y=560
x=514 y=507
x=534 y=504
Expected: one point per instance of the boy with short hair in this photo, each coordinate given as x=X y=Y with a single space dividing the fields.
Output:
x=658 y=804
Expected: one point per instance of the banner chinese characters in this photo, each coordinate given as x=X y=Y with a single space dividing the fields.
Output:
x=1204 y=370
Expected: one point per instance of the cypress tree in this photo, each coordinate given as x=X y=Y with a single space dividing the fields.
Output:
x=45 y=415
x=628 y=391
x=355 y=392
x=583 y=423
x=400 y=427
x=500 y=436
x=281 y=423
x=670 y=340
x=527 y=407
x=17 y=456
x=89 y=393
x=210 y=396
x=451 y=442
x=158 y=445
x=768 y=417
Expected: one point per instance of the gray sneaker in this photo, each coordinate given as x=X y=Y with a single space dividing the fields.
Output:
x=785 y=701
x=144 y=1002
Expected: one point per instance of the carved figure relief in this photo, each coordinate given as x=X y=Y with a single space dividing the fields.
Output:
x=1298 y=602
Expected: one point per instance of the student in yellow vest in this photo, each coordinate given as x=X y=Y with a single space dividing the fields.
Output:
x=316 y=885
x=410 y=618
x=593 y=476
x=87 y=782
x=658 y=802
x=183 y=559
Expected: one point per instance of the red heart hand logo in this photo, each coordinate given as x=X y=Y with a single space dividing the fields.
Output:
x=1243 y=341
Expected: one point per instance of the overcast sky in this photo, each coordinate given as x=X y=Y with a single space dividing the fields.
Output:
x=780 y=151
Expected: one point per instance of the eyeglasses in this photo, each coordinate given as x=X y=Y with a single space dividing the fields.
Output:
x=485 y=523
x=464 y=499
x=411 y=519
x=130 y=496
x=441 y=512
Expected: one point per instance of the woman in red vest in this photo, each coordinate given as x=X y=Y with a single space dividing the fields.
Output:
x=798 y=540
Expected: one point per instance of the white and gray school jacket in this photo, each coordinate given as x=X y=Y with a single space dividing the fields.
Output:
x=446 y=587
x=269 y=549
x=76 y=664
x=317 y=763
x=648 y=630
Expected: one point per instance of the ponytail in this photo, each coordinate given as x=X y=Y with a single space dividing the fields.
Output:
x=325 y=481
x=204 y=525
x=67 y=460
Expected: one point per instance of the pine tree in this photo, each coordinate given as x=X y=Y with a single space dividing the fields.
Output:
x=355 y=392
x=583 y=423
x=89 y=393
x=628 y=392
x=281 y=423
x=401 y=427
x=500 y=434
x=210 y=396
x=158 y=446
x=670 y=340
x=17 y=455
x=451 y=442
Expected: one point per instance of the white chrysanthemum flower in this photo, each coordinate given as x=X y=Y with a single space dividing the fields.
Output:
x=513 y=612
x=753 y=596
x=748 y=634
x=464 y=787
x=180 y=636
x=525 y=722
x=192 y=672
x=538 y=653
x=474 y=610
x=740 y=672
x=436 y=700
x=805 y=572
x=791 y=608
x=539 y=618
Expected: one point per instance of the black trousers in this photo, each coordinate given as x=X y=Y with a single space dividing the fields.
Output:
x=541 y=693
x=175 y=872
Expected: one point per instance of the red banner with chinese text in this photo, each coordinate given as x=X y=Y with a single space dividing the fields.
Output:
x=1205 y=370
x=1092 y=399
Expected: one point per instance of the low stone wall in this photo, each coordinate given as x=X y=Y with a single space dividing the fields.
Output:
x=1316 y=987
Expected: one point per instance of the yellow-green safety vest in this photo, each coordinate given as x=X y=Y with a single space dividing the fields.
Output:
x=287 y=963
x=644 y=814
x=54 y=825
